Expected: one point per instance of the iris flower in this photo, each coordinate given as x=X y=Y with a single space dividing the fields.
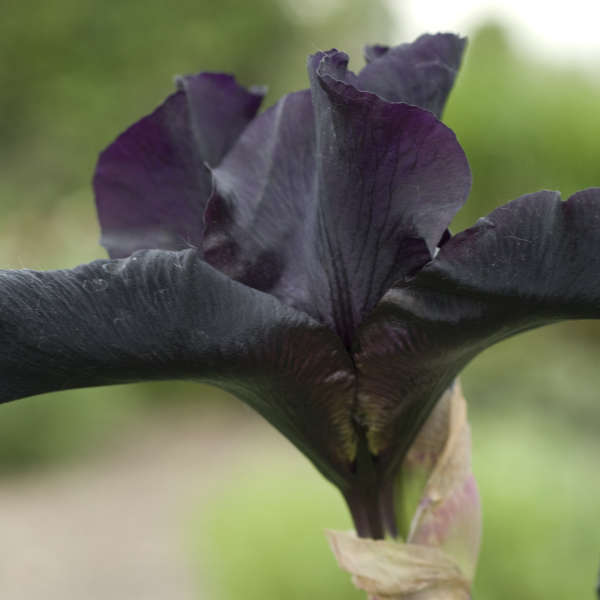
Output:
x=300 y=259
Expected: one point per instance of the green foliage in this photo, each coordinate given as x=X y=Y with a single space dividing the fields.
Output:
x=72 y=425
x=61 y=427
x=263 y=535
x=77 y=72
x=540 y=493
x=535 y=436
x=524 y=126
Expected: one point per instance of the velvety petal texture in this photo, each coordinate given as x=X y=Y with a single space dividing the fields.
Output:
x=255 y=222
x=531 y=262
x=421 y=73
x=390 y=177
x=152 y=182
x=168 y=315
x=331 y=196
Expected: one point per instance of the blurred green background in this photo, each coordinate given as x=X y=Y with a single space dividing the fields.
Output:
x=75 y=73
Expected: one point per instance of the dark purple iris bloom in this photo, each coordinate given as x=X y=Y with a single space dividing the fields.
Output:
x=300 y=259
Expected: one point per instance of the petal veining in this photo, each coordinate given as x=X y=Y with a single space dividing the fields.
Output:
x=152 y=183
x=529 y=263
x=168 y=315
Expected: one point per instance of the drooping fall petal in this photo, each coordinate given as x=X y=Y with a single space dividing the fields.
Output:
x=168 y=315
x=531 y=262
x=152 y=182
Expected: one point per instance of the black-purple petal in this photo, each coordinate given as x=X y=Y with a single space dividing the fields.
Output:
x=421 y=73
x=152 y=182
x=264 y=193
x=168 y=315
x=332 y=195
x=529 y=263
x=390 y=177
x=219 y=110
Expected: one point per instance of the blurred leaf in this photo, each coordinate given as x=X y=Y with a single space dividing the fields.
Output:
x=524 y=126
x=263 y=536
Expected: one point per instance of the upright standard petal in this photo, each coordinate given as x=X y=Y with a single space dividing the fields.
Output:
x=152 y=183
x=168 y=315
x=531 y=262
x=390 y=177
x=332 y=195
x=264 y=190
x=421 y=73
